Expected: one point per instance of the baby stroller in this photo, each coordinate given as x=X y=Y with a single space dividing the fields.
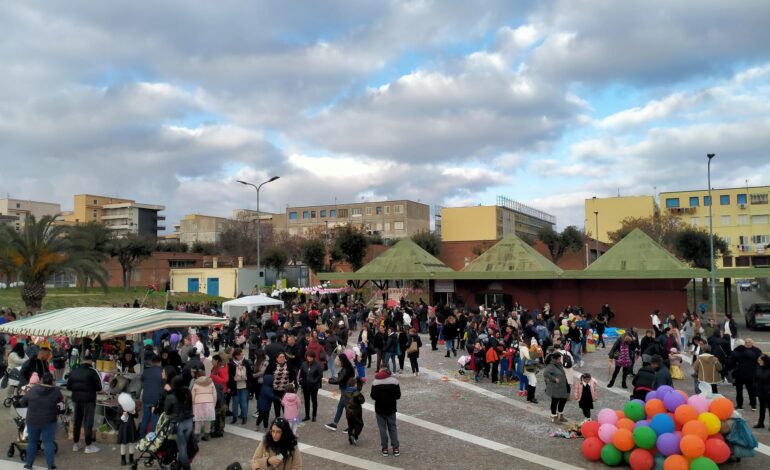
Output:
x=159 y=447
x=20 y=444
x=13 y=376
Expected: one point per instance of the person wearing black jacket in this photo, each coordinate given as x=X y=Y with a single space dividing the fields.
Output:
x=36 y=363
x=310 y=378
x=42 y=402
x=743 y=362
x=178 y=407
x=84 y=382
x=643 y=382
x=618 y=352
x=402 y=340
x=414 y=338
x=762 y=388
x=346 y=372
x=433 y=333
x=386 y=392
x=450 y=333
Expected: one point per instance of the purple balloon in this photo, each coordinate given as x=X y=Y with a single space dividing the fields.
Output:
x=673 y=400
x=668 y=444
x=664 y=390
x=651 y=395
x=643 y=422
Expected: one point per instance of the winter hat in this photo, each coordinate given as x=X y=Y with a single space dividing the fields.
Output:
x=383 y=374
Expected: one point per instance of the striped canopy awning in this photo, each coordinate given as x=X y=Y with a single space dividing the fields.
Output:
x=106 y=322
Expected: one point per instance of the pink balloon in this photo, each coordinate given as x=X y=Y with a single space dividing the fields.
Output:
x=607 y=416
x=699 y=402
x=606 y=431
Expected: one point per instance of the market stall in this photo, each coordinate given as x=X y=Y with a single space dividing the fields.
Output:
x=249 y=303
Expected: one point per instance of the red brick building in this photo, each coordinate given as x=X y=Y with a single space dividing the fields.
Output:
x=153 y=270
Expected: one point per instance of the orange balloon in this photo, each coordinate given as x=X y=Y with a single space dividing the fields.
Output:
x=654 y=407
x=623 y=440
x=695 y=428
x=625 y=423
x=685 y=414
x=620 y=414
x=722 y=407
x=692 y=446
x=676 y=462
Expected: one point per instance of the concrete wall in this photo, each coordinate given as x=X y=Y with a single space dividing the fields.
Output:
x=612 y=211
x=153 y=270
x=469 y=223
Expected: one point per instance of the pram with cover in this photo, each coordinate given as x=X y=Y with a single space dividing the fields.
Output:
x=159 y=447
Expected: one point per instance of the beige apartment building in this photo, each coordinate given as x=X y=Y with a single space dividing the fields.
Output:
x=18 y=210
x=121 y=216
x=459 y=224
x=390 y=219
x=201 y=228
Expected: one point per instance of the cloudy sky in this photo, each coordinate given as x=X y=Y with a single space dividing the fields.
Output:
x=443 y=101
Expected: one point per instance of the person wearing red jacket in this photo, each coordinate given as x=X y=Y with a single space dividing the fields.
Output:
x=220 y=376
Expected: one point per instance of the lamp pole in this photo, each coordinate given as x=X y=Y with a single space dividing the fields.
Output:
x=711 y=242
x=596 y=217
x=259 y=217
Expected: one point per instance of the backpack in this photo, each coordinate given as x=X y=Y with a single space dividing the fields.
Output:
x=566 y=361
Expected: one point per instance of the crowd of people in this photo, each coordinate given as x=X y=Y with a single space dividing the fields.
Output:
x=270 y=364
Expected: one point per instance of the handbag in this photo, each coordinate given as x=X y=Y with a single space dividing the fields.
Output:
x=412 y=348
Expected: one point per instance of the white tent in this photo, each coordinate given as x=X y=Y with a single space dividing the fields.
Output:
x=248 y=303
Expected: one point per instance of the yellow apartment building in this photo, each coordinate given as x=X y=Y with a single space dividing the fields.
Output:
x=15 y=211
x=89 y=208
x=741 y=217
x=609 y=212
x=120 y=216
x=492 y=222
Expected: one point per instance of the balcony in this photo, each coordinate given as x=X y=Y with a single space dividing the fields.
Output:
x=160 y=217
x=682 y=210
x=160 y=227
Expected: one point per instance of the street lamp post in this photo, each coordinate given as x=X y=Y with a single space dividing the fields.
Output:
x=596 y=217
x=259 y=217
x=711 y=243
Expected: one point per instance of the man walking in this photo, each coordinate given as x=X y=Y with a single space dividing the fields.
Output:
x=386 y=392
x=84 y=382
x=152 y=386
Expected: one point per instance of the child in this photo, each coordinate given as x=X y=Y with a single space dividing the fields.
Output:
x=360 y=362
x=675 y=360
x=479 y=361
x=506 y=365
x=265 y=400
x=128 y=433
x=204 y=398
x=585 y=393
x=353 y=410
x=290 y=402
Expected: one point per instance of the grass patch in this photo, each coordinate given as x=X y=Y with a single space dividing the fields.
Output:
x=72 y=297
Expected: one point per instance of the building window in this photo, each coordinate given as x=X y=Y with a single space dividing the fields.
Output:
x=741 y=199
x=706 y=200
x=378 y=210
x=694 y=201
x=333 y=213
x=343 y=213
x=94 y=201
x=368 y=211
x=707 y=221
x=724 y=200
x=728 y=240
x=387 y=210
x=323 y=213
x=355 y=212
x=18 y=206
x=672 y=202
x=760 y=239
x=398 y=225
x=305 y=214
x=312 y=214
x=292 y=216
x=94 y=213
x=379 y=226
x=743 y=219
x=399 y=209
x=695 y=221
x=759 y=198
x=387 y=226
x=724 y=220
x=760 y=219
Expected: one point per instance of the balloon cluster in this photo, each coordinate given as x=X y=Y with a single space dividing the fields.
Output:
x=669 y=430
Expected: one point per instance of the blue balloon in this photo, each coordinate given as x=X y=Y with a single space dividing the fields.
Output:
x=662 y=424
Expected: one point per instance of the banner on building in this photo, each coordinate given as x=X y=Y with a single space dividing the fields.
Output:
x=441 y=285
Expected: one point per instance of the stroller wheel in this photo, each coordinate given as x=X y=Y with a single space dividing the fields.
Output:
x=11 y=451
x=23 y=455
x=7 y=402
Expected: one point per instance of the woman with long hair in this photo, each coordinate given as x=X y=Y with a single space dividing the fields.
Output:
x=278 y=449
x=15 y=359
x=556 y=386
x=179 y=409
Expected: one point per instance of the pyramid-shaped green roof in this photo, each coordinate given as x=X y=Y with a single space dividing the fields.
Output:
x=637 y=256
x=512 y=258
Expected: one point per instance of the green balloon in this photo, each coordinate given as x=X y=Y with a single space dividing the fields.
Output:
x=611 y=455
x=634 y=411
x=627 y=457
x=701 y=463
x=645 y=437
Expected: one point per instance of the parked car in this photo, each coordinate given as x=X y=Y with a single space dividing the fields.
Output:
x=744 y=285
x=757 y=316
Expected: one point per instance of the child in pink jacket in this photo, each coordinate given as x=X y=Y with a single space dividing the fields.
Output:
x=291 y=403
x=585 y=393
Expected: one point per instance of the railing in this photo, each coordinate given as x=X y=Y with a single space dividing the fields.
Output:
x=507 y=203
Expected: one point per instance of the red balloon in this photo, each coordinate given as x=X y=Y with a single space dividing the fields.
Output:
x=717 y=450
x=592 y=449
x=641 y=459
x=718 y=436
x=590 y=429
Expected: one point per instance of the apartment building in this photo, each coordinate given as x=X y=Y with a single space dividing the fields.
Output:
x=605 y=214
x=200 y=228
x=390 y=219
x=121 y=216
x=741 y=217
x=19 y=209
x=479 y=223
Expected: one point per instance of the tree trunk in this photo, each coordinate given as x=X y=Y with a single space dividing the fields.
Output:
x=705 y=289
x=126 y=272
x=33 y=293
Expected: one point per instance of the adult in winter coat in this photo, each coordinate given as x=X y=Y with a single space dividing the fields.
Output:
x=315 y=347
x=204 y=399
x=346 y=371
x=762 y=387
x=707 y=368
x=386 y=392
x=643 y=382
x=450 y=333
x=310 y=379
x=16 y=358
x=36 y=363
x=622 y=353
x=403 y=338
x=42 y=402
x=743 y=362
x=412 y=349
x=556 y=387
x=84 y=382
x=178 y=407
x=278 y=449
x=152 y=387
x=240 y=375
x=391 y=348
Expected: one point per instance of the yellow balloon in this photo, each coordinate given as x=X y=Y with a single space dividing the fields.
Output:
x=711 y=421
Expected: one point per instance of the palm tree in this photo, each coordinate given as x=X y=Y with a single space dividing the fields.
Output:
x=91 y=239
x=42 y=249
